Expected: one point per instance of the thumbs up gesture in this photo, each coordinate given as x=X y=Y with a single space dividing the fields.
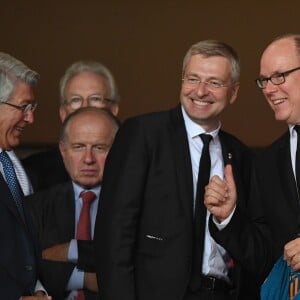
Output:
x=220 y=195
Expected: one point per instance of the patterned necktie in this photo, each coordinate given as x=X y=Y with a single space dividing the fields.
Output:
x=297 y=163
x=200 y=211
x=12 y=181
x=84 y=224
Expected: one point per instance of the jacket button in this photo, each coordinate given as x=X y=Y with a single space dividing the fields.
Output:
x=28 y=268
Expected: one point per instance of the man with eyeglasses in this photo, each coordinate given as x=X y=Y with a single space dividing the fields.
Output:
x=85 y=83
x=154 y=237
x=278 y=166
x=18 y=252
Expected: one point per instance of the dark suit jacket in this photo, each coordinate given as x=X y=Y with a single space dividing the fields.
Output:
x=144 y=229
x=18 y=252
x=45 y=169
x=276 y=189
x=53 y=212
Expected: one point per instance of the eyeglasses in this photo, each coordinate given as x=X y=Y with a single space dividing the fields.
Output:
x=276 y=79
x=95 y=100
x=192 y=82
x=24 y=108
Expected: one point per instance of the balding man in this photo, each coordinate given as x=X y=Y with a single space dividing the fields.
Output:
x=68 y=254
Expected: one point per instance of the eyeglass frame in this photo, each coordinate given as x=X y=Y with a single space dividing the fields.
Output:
x=210 y=84
x=104 y=100
x=24 y=108
x=281 y=75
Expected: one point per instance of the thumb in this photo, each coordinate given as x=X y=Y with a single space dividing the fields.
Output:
x=229 y=176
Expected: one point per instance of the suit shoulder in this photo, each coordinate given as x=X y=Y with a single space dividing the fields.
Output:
x=50 y=194
x=234 y=141
x=282 y=141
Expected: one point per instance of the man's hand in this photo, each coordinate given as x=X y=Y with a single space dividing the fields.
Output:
x=220 y=195
x=56 y=253
x=292 y=254
x=90 y=282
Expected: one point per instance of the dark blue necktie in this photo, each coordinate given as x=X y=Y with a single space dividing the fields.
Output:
x=12 y=181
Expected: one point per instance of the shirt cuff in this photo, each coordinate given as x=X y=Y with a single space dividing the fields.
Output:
x=73 y=251
x=40 y=287
x=225 y=222
x=76 y=280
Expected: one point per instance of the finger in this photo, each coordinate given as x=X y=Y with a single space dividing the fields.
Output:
x=228 y=175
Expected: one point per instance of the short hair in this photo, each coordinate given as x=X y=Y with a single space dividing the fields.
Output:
x=93 y=67
x=210 y=48
x=11 y=71
x=101 y=111
x=293 y=36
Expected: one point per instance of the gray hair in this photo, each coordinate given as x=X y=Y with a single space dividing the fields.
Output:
x=210 y=48
x=11 y=71
x=89 y=66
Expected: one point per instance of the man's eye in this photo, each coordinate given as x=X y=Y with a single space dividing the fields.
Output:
x=192 y=80
x=75 y=100
x=215 y=84
x=78 y=147
x=96 y=99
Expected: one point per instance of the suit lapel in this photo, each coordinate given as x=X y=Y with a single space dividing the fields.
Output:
x=286 y=173
x=182 y=161
x=227 y=151
x=65 y=212
x=7 y=198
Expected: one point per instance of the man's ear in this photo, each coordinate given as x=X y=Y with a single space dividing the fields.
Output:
x=114 y=109
x=62 y=113
x=235 y=89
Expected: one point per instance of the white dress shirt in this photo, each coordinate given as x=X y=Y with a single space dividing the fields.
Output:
x=293 y=145
x=215 y=259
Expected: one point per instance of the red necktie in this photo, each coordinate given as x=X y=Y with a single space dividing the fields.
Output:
x=84 y=224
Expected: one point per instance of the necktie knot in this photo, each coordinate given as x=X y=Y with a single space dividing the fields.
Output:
x=206 y=138
x=87 y=197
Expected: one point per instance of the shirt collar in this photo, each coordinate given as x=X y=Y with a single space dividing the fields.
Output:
x=78 y=189
x=193 y=129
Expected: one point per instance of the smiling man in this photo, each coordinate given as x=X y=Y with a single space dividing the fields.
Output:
x=152 y=236
x=19 y=252
x=278 y=167
x=68 y=266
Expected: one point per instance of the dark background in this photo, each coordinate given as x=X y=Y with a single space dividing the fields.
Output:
x=143 y=43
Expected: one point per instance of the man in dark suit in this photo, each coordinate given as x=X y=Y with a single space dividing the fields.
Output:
x=276 y=188
x=145 y=233
x=68 y=266
x=85 y=83
x=18 y=252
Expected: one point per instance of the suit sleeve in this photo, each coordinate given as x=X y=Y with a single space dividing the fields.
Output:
x=54 y=275
x=86 y=256
x=118 y=213
x=247 y=236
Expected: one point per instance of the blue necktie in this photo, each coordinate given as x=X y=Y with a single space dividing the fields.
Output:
x=12 y=181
